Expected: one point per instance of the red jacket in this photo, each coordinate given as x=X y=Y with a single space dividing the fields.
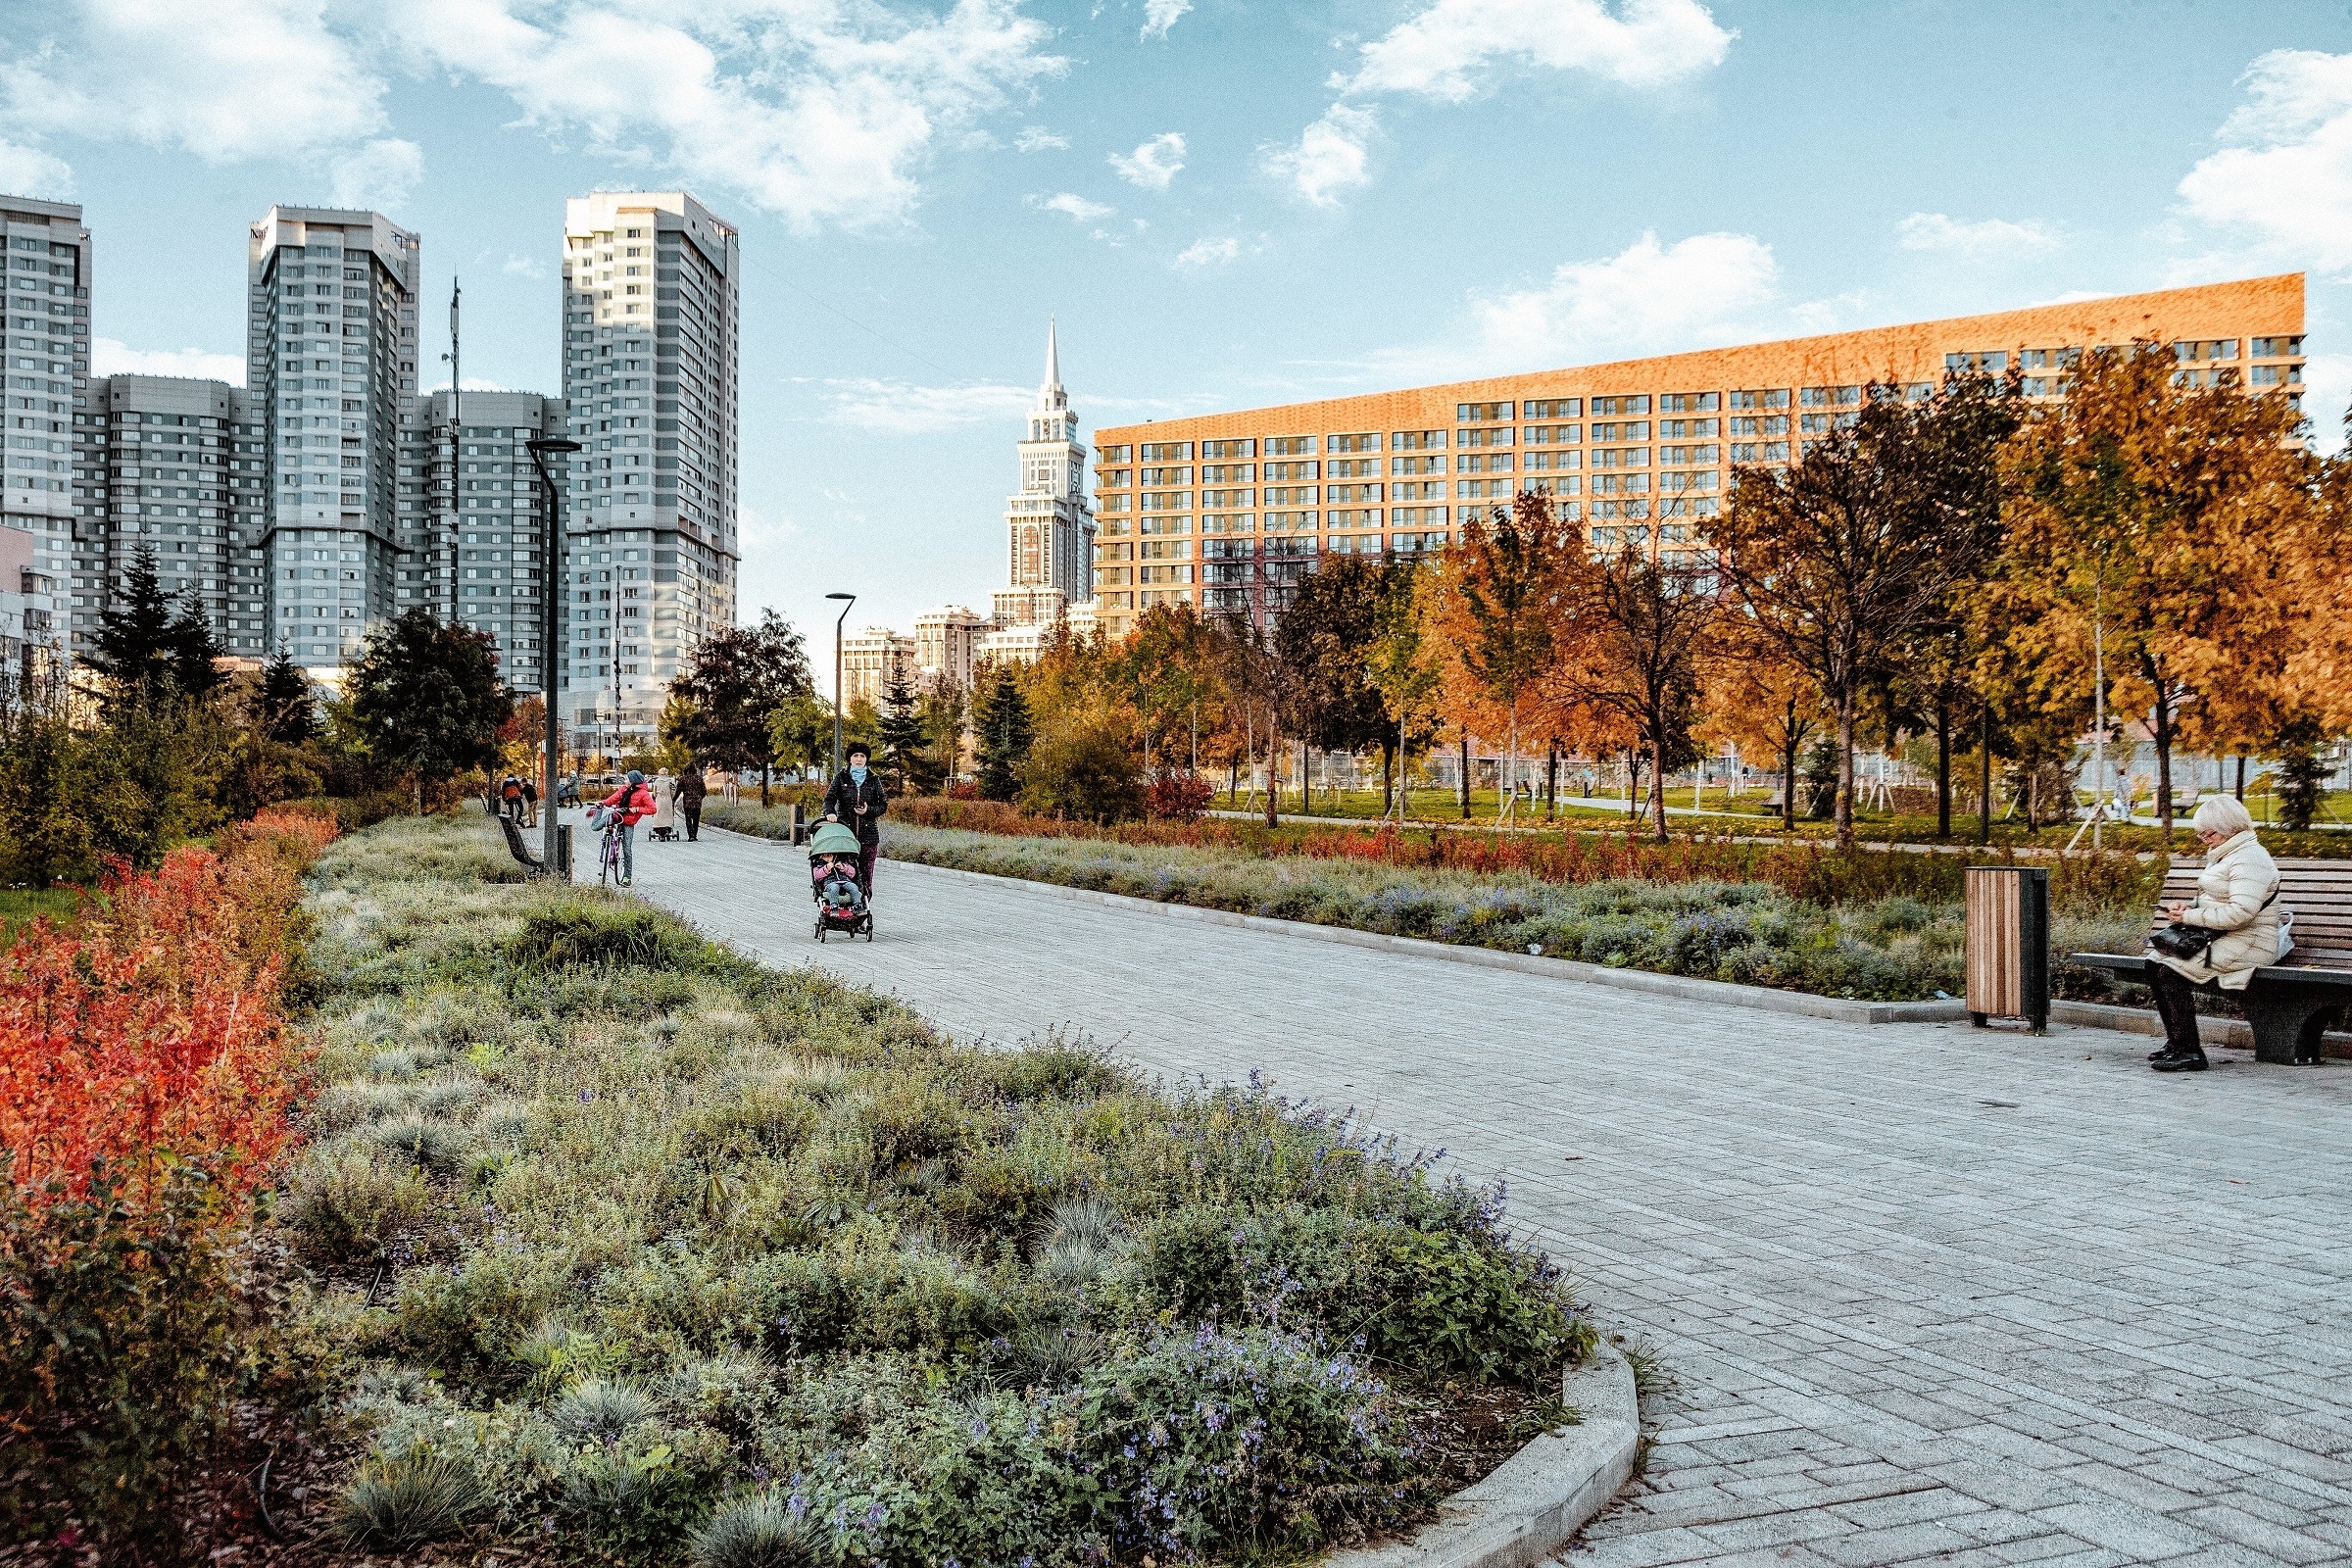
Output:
x=636 y=803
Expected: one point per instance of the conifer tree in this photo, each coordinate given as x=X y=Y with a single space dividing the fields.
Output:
x=1002 y=732
x=907 y=759
x=283 y=706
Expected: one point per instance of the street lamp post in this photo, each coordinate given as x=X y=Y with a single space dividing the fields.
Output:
x=551 y=602
x=850 y=598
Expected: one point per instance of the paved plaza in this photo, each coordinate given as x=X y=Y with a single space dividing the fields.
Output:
x=1917 y=1293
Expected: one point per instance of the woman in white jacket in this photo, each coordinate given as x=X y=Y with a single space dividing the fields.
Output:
x=2238 y=901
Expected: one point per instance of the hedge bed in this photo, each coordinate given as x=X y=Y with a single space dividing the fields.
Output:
x=631 y=1251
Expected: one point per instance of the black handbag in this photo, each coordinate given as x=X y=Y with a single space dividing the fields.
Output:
x=2180 y=941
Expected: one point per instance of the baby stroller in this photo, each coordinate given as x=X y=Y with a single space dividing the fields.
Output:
x=835 y=860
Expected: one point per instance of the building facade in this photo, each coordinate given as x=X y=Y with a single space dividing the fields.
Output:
x=471 y=524
x=651 y=334
x=871 y=660
x=332 y=346
x=1049 y=526
x=45 y=295
x=1227 y=512
x=945 y=641
x=179 y=467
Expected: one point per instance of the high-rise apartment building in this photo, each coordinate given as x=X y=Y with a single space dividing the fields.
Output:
x=471 y=524
x=1048 y=527
x=179 y=467
x=871 y=661
x=1226 y=512
x=650 y=367
x=945 y=644
x=45 y=295
x=331 y=357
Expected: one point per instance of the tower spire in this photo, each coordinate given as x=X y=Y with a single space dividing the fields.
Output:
x=1053 y=357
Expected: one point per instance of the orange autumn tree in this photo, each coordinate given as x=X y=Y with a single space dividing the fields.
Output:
x=2170 y=524
x=1503 y=588
x=1758 y=701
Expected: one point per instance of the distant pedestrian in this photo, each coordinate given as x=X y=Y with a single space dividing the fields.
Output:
x=691 y=790
x=2238 y=904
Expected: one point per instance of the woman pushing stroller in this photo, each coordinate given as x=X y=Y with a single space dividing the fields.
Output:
x=857 y=802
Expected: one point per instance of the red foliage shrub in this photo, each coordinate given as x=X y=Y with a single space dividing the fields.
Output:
x=1177 y=797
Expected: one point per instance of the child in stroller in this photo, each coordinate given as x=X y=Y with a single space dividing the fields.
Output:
x=834 y=863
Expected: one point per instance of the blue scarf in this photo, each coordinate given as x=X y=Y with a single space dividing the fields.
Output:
x=857 y=775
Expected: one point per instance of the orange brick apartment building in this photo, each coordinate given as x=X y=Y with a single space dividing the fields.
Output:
x=1226 y=512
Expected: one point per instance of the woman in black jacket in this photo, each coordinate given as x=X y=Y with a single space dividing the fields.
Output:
x=857 y=799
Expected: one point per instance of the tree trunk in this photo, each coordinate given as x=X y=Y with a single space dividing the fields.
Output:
x=1943 y=767
x=419 y=784
x=1388 y=780
x=2163 y=764
x=1552 y=782
x=1846 y=770
x=1657 y=784
x=1788 y=744
x=1465 y=773
x=2241 y=775
x=1984 y=774
x=1273 y=772
x=1506 y=779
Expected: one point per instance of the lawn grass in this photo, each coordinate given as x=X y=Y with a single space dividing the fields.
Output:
x=21 y=906
x=630 y=1251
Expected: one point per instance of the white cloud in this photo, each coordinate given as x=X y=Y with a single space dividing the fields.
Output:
x=1038 y=139
x=524 y=267
x=1160 y=14
x=2284 y=177
x=1647 y=298
x=1989 y=236
x=1450 y=51
x=903 y=408
x=29 y=171
x=1332 y=155
x=379 y=174
x=231 y=79
x=1206 y=252
x=819 y=113
x=1154 y=163
x=474 y=383
x=111 y=357
x=1070 y=205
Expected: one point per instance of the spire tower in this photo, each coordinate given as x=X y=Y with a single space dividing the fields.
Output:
x=1049 y=528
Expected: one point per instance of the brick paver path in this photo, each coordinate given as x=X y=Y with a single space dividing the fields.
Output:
x=1924 y=1293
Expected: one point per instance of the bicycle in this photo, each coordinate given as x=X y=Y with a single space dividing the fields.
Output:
x=607 y=861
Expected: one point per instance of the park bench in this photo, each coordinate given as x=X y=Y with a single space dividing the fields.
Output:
x=520 y=851
x=2287 y=1005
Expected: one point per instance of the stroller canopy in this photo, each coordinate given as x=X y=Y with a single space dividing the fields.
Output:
x=831 y=838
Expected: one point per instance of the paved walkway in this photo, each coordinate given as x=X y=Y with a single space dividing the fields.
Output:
x=1922 y=1294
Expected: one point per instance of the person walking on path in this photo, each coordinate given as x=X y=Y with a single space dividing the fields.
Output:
x=691 y=790
x=628 y=806
x=2238 y=901
x=857 y=799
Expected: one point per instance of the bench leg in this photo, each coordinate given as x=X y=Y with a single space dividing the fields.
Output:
x=2286 y=1028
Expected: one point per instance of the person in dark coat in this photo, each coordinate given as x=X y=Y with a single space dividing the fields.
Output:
x=691 y=790
x=856 y=799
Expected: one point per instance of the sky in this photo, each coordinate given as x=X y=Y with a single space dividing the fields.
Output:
x=1225 y=204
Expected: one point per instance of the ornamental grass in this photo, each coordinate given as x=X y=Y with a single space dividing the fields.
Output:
x=633 y=1251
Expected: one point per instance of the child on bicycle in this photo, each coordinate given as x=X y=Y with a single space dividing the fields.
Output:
x=624 y=810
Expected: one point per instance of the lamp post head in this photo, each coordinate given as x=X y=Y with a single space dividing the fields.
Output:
x=551 y=443
x=851 y=597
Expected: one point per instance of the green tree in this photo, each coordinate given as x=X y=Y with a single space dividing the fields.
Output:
x=2299 y=772
x=908 y=759
x=426 y=699
x=800 y=731
x=1088 y=770
x=1002 y=734
x=1400 y=666
x=147 y=648
x=1332 y=619
x=737 y=678
x=283 y=706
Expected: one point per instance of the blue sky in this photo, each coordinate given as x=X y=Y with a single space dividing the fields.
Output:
x=1225 y=204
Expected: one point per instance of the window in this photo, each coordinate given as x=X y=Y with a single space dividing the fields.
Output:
x=1480 y=413
x=1762 y=424
x=1299 y=495
x=1120 y=478
x=1761 y=398
x=1542 y=435
x=1417 y=440
x=2276 y=375
x=1629 y=430
x=1226 y=472
x=1554 y=460
x=1561 y=485
x=1352 y=443
x=1291 y=471
x=1992 y=361
x=1290 y=446
x=2276 y=348
x=1228 y=449
x=1166 y=525
x=1116 y=454
x=1352 y=468
x=1690 y=403
x=1167 y=501
x=1619 y=405
x=1166 y=451
x=1483 y=463
x=1686 y=455
x=1704 y=480
x=1621 y=458
x=1760 y=452
x=1485 y=438
x=1167 y=475
x=1677 y=429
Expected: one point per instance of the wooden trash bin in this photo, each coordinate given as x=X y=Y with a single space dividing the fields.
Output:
x=2008 y=956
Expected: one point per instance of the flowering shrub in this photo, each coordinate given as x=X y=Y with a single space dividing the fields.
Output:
x=145 y=1078
x=1174 y=796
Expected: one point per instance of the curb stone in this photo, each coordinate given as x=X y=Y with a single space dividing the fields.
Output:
x=1540 y=1496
